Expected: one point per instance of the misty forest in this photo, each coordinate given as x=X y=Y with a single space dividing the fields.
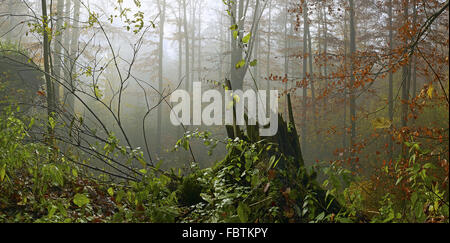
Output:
x=361 y=111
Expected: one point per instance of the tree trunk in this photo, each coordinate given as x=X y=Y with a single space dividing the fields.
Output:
x=286 y=56
x=406 y=78
x=48 y=80
x=305 y=82
x=236 y=9
x=199 y=56
x=193 y=42
x=269 y=46
x=162 y=19
x=391 y=83
x=344 y=137
x=186 y=40
x=221 y=51
x=325 y=47
x=66 y=53
x=73 y=52
x=237 y=75
x=414 y=67
x=58 y=47
x=180 y=46
x=352 y=76
x=312 y=76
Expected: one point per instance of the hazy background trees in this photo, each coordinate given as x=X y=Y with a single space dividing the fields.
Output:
x=111 y=62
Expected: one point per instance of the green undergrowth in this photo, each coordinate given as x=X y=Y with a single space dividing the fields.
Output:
x=38 y=184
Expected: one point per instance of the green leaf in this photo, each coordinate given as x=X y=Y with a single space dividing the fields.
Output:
x=246 y=38
x=272 y=161
x=240 y=64
x=2 y=172
x=51 y=122
x=253 y=63
x=80 y=200
x=75 y=173
x=51 y=210
x=320 y=216
x=97 y=92
x=235 y=34
x=243 y=210
x=111 y=191
x=429 y=166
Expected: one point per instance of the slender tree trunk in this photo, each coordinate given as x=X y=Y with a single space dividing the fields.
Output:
x=405 y=74
x=269 y=46
x=325 y=47
x=199 y=56
x=193 y=41
x=48 y=80
x=186 y=40
x=414 y=67
x=286 y=57
x=391 y=82
x=257 y=46
x=73 y=53
x=312 y=78
x=305 y=81
x=319 y=38
x=344 y=136
x=10 y=23
x=58 y=47
x=66 y=53
x=236 y=49
x=221 y=51
x=162 y=19
x=180 y=55
x=352 y=75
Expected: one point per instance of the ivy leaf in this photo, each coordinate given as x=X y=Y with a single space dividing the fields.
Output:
x=80 y=200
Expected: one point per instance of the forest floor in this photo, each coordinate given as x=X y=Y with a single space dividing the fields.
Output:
x=39 y=185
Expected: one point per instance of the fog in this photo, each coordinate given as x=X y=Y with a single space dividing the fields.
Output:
x=122 y=72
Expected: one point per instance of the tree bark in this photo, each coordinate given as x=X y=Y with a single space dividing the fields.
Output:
x=305 y=82
x=162 y=19
x=199 y=56
x=269 y=46
x=312 y=78
x=406 y=78
x=72 y=55
x=186 y=40
x=352 y=74
x=58 y=47
x=46 y=57
x=391 y=82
